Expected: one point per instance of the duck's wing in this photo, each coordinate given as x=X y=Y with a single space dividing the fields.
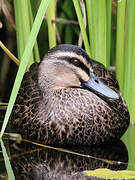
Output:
x=28 y=97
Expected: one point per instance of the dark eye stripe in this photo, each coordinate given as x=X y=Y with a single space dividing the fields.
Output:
x=80 y=64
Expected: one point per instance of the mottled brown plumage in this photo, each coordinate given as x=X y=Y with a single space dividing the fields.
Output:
x=56 y=104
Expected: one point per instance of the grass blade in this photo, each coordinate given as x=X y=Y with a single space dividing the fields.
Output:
x=35 y=49
x=121 y=9
x=129 y=57
x=96 y=11
x=108 y=31
x=50 y=16
x=23 y=27
x=24 y=61
x=9 y=53
x=7 y=162
x=80 y=19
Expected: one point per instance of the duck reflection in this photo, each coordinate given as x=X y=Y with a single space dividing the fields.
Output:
x=48 y=164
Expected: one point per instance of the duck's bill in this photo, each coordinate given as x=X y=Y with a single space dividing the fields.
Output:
x=100 y=88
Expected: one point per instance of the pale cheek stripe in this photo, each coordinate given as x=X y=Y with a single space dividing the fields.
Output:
x=71 y=54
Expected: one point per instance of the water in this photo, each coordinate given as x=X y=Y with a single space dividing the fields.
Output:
x=129 y=141
x=34 y=162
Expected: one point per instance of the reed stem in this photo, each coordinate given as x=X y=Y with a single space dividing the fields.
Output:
x=82 y=27
x=96 y=12
x=129 y=59
x=120 y=42
x=50 y=17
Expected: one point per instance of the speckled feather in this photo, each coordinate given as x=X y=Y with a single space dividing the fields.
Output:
x=69 y=116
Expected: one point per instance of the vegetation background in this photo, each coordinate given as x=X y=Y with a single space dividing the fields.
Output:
x=104 y=28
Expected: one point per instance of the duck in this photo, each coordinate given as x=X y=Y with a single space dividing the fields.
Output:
x=69 y=99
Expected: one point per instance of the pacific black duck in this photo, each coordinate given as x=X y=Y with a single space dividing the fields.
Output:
x=70 y=99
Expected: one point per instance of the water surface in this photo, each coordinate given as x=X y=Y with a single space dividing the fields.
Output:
x=34 y=162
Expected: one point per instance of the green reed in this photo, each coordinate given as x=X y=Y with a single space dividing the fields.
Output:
x=50 y=17
x=125 y=52
x=99 y=28
x=24 y=21
x=7 y=162
x=81 y=23
x=25 y=60
x=121 y=7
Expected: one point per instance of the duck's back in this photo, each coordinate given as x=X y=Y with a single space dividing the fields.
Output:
x=26 y=105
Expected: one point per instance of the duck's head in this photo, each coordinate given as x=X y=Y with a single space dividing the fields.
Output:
x=69 y=66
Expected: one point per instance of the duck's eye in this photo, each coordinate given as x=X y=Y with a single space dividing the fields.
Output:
x=75 y=62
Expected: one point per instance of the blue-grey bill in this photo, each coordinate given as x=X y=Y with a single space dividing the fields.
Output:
x=95 y=84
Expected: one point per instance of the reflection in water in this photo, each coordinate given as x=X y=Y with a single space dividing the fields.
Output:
x=47 y=164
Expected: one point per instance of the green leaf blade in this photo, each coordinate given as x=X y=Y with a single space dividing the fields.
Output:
x=7 y=162
x=24 y=61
